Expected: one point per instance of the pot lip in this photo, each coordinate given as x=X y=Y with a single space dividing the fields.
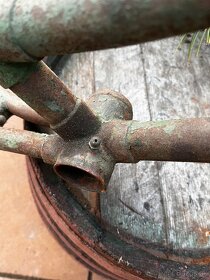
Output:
x=137 y=243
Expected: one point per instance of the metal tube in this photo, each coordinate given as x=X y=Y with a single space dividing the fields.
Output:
x=10 y=104
x=33 y=29
x=38 y=145
x=20 y=109
x=172 y=140
x=76 y=163
x=82 y=167
x=22 y=142
x=43 y=91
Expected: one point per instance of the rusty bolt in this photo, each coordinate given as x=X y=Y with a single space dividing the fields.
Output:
x=95 y=143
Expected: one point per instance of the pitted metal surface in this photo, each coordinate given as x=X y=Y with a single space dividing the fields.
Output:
x=30 y=30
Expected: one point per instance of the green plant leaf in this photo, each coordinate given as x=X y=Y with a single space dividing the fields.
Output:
x=190 y=50
x=201 y=41
x=198 y=38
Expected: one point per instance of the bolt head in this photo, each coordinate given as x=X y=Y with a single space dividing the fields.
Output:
x=95 y=143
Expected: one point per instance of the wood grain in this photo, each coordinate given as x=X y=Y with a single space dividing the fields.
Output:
x=166 y=203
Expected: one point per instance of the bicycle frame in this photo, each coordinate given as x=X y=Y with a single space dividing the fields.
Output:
x=90 y=137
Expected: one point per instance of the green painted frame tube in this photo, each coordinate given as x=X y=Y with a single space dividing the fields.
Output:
x=30 y=30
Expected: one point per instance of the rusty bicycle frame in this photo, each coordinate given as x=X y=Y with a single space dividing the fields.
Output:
x=89 y=138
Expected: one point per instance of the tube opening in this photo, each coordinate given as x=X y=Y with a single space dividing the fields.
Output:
x=79 y=177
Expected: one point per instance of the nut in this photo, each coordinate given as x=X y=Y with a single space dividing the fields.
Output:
x=95 y=143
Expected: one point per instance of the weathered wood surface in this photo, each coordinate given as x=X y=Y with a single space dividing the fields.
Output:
x=168 y=203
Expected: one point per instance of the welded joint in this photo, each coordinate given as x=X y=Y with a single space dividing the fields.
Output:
x=79 y=123
x=87 y=161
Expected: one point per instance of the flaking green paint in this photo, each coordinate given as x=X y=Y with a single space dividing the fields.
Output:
x=54 y=107
x=167 y=125
x=33 y=29
x=63 y=93
x=11 y=143
x=137 y=143
x=169 y=129
x=13 y=73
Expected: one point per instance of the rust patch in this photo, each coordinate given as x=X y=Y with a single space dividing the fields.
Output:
x=38 y=13
x=202 y=234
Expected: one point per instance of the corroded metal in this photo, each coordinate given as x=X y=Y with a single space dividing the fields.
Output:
x=22 y=142
x=83 y=167
x=43 y=91
x=10 y=104
x=37 y=145
x=75 y=161
x=168 y=140
x=88 y=162
x=93 y=136
x=13 y=73
x=30 y=30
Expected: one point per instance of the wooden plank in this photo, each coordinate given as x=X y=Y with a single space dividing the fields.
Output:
x=176 y=90
x=133 y=201
x=78 y=74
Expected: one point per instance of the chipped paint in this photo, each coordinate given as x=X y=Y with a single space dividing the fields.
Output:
x=169 y=129
x=22 y=142
x=54 y=101
x=30 y=30
x=11 y=143
x=54 y=106
x=169 y=140
x=13 y=73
